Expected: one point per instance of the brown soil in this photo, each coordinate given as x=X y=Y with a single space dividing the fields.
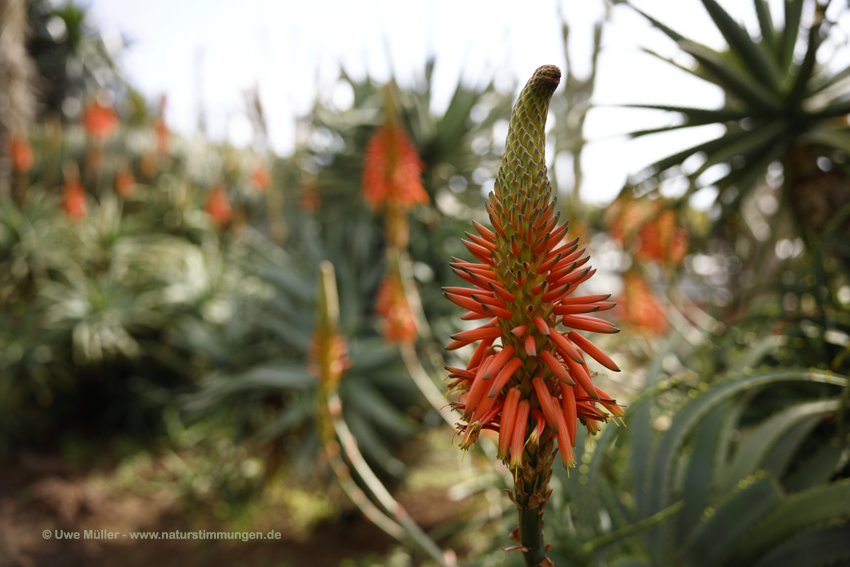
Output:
x=39 y=494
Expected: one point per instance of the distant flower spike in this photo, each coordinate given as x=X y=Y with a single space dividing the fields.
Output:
x=100 y=121
x=392 y=171
x=218 y=205
x=20 y=152
x=392 y=305
x=73 y=193
x=523 y=275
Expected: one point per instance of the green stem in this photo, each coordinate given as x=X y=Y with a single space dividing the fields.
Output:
x=411 y=358
x=425 y=384
x=361 y=500
x=531 y=536
x=376 y=487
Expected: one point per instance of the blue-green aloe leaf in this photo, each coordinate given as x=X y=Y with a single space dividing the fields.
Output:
x=689 y=416
x=796 y=514
x=756 y=445
x=816 y=548
x=816 y=469
x=716 y=535
x=697 y=486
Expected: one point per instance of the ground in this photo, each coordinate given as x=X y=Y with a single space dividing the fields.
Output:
x=43 y=492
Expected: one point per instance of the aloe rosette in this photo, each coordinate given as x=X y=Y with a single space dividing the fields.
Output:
x=527 y=379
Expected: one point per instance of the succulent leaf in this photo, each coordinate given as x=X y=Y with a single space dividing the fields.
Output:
x=716 y=535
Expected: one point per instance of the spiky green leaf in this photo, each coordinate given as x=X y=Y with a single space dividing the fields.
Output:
x=731 y=418
x=797 y=513
x=753 y=448
x=707 y=147
x=793 y=16
x=361 y=396
x=699 y=116
x=748 y=144
x=838 y=139
x=716 y=535
x=824 y=83
x=782 y=453
x=762 y=67
x=817 y=468
x=675 y=36
x=698 y=71
x=690 y=415
x=697 y=485
x=746 y=177
x=640 y=429
x=807 y=67
x=768 y=33
x=752 y=92
x=816 y=548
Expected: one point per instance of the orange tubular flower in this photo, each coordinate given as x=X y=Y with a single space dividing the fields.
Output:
x=328 y=355
x=74 y=200
x=660 y=239
x=639 y=307
x=392 y=171
x=523 y=278
x=392 y=305
x=20 y=151
x=218 y=205
x=99 y=121
x=261 y=178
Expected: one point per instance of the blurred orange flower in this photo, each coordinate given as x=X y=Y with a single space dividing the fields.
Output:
x=392 y=173
x=74 y=200
x=638 y=306
x=218 y=205
x=20 y=151
x=392 y=305
x=99 y=121
x=660 y=239
x=261 y=178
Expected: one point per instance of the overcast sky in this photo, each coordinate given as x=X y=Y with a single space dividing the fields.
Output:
x=292 y=48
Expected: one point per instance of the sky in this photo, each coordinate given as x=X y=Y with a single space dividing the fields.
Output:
x=208 y=52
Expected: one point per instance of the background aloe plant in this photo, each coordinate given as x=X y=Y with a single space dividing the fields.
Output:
x=742 y=469
x=779 y=110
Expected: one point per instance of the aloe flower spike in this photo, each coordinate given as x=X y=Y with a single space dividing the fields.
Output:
x=537 y=387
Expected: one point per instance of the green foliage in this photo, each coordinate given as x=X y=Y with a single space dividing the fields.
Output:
x=777 y=109
x=703 y=475
x=72 y=59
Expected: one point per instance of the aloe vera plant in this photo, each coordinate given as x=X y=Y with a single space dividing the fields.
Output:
x=696 y=482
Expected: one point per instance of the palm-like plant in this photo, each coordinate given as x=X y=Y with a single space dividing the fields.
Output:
x=778 y=109
x=263 y=380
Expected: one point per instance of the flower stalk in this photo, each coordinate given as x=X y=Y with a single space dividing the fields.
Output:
x=329 y=361
x=392 y=185
x=527 y=379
